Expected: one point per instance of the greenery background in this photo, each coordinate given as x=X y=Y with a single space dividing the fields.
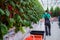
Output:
x=19 y=14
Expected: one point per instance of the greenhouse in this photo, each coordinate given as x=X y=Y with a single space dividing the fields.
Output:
x=29 y=19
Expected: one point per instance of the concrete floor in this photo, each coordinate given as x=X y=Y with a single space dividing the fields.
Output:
x=55 y=32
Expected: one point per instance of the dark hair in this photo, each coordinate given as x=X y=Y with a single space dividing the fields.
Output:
x=46 y=11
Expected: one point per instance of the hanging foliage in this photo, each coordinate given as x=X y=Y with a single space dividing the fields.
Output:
x=19 y=13
x=55 y=12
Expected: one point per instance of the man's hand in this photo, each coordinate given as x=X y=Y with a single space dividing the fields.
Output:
x=51 y=19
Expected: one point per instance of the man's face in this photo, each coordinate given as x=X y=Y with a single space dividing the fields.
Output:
x=45 y=12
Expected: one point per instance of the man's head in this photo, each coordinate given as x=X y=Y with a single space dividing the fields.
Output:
x=46 y=11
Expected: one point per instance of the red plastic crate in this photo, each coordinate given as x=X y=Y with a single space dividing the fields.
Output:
x=34 y=37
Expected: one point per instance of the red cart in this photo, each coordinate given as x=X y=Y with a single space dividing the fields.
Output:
x=36 y=35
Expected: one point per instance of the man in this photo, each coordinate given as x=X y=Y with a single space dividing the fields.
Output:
x=47 y=17
x=59 y=21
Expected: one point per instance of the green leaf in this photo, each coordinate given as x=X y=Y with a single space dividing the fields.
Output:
x=21 y=10
x=4 y=29
x=12 y=3
x=26 y=23
x=25 y=16
x=1 y=12
x=21 y=1
x=11 y=22
x=22 y=29
x=17 y=18
x=17 y=6
x=7 y=12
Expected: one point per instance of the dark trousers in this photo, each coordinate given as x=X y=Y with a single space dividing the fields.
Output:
x=59 y=21
x=48 y=29
x=59 y=24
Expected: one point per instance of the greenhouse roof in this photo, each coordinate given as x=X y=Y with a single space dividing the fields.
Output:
x=49 y=3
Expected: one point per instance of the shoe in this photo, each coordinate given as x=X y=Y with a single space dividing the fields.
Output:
x=46 y=34
x=49 y=34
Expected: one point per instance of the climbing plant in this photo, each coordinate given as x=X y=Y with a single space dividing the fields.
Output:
x=55 y=11
x=19 y=14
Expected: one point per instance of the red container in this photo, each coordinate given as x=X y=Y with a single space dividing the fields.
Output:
x=34 y=37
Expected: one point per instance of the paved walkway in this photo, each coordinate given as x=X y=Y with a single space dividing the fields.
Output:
x=54 y=30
